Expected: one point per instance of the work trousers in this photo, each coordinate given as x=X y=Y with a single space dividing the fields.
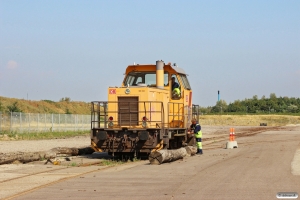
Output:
x=199 y=139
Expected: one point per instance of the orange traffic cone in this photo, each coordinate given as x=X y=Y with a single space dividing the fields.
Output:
x=231 y=143
x=231 y=134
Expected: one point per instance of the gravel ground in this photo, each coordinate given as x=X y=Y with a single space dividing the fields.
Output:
x=258 y=169
x=84 y=141
x=43 y=145
x=77 y=142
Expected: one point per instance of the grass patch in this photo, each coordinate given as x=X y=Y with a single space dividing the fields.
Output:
x=111 y=163
x=136 y=159
x=41 y=135
x=74 y=164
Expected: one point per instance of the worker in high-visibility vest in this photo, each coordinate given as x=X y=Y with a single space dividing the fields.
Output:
x=195 y=126
x=175 y=89
x=176 y=93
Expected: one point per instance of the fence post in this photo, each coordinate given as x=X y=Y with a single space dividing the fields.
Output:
x=21 y=128
x=10 y=122
x=58 y=121
x=52 y=123
x=45 y=123
x=0 y=121
x=38 y=119
x=76 y=122
x=28 y=122
x=65 y=126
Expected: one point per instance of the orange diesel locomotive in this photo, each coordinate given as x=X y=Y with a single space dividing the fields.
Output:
x=144 y=115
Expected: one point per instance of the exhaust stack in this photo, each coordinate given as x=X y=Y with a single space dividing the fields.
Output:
x=160 y=74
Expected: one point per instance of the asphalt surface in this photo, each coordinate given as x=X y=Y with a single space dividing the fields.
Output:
x=259 y=169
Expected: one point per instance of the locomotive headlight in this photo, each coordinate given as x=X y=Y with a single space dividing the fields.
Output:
x=144 y=123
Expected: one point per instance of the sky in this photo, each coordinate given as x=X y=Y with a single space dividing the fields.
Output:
x=53 y=49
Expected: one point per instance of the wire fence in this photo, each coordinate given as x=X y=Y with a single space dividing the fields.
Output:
x=249 y=120
x=36 y=122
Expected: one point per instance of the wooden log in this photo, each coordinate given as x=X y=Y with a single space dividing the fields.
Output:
x=65 y=151
x=165 y=155
x=25 y=157
x=191 y=150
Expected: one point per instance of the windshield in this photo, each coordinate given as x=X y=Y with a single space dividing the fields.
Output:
x=185 y=81
x=148 y=78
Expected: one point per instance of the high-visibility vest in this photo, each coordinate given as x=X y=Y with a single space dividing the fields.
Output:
x=199 y=133
x=176 y=91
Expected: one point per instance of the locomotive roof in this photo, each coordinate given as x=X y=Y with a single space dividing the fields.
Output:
x=139 y=66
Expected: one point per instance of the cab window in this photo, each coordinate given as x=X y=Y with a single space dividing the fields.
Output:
x=166 y=79
x=175 y=88
x=185 y=81
x=149 y=78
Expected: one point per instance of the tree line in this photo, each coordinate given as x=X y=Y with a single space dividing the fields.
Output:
x=254 y=105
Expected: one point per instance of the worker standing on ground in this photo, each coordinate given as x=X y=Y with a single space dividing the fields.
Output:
x=195 y=126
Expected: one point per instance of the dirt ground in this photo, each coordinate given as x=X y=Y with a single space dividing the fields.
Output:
x=267 y=161
x=43 y=145
x=211 y=135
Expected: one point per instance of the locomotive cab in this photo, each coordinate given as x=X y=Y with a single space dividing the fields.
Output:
x=143 y=115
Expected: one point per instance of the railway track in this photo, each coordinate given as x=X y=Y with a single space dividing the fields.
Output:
x=36 y=178
x=220 y=140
